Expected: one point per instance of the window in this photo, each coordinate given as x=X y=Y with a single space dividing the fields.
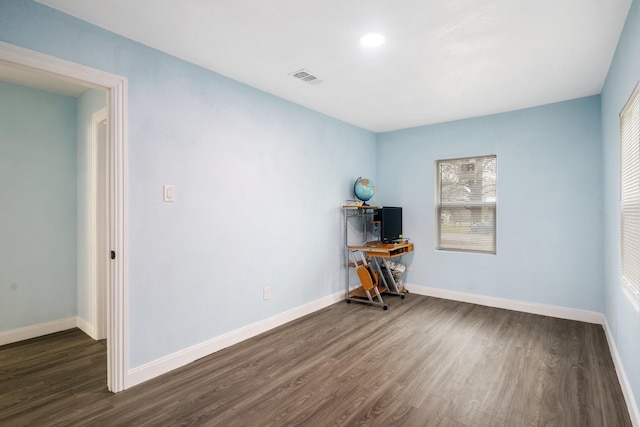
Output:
x=466 y=204
x=630 y=192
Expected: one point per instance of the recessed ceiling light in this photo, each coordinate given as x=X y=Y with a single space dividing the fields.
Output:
x=372 y=40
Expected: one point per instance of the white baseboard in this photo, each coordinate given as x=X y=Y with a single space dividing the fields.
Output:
x=173 y=361
x=545 y=310
x=526 y=307
x=86 y=327
x=38 y=330
x=622 y=376
x=161 y=366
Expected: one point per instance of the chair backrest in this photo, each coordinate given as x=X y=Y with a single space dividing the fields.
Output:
x=367 y=277
x=374 y=275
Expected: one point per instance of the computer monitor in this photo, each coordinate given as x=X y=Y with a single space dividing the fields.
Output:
x=390 y=218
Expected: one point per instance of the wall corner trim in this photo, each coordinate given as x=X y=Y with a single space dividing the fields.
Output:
x=86 y=327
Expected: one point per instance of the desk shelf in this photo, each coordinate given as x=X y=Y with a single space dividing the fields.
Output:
x=359 y=292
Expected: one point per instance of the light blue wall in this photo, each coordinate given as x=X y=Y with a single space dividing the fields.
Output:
x=37 y=207
x=549 y=208
x=624 y=74
x=259 y=184
x=247 y=167
x=88 y=103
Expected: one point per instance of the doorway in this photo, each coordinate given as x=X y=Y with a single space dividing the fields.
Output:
x=47 y=68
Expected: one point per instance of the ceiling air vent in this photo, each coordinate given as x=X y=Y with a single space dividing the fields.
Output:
x=305 y=76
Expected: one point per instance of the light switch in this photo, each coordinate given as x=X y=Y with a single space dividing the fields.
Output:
x=169 y=193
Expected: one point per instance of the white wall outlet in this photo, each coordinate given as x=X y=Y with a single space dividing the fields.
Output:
x=169 y=193
x=266 y=293
x=408 y=266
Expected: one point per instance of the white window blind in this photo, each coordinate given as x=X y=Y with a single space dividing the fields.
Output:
x=630 y=191
x=466 y=204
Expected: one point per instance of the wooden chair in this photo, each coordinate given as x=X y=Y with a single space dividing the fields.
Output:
x=368 y=279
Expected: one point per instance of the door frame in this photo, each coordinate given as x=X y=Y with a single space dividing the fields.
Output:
x=116 y=88
x=98 y=259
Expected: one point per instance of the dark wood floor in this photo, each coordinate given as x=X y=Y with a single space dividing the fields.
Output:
x=424 y=362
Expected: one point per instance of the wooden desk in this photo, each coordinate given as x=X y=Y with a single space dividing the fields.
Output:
x=383 y=251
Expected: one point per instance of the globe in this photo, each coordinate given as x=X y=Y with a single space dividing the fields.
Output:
x=364 y=189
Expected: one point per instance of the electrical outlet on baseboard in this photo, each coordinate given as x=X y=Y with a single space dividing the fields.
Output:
x=266 y=293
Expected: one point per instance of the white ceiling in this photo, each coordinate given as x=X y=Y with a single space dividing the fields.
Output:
x=442 y=60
